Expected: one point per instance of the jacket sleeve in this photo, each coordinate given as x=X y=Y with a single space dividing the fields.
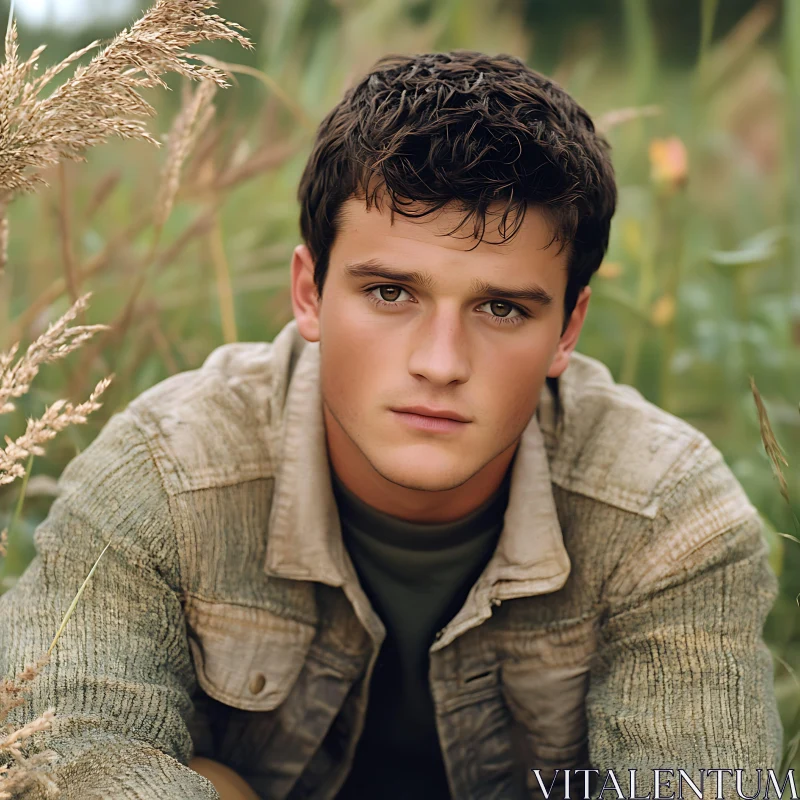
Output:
x=683 y=678
x=120 y=677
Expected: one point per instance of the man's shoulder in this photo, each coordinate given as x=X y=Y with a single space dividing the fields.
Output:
x=619 y=448
x=683 y=509
x=216 y=425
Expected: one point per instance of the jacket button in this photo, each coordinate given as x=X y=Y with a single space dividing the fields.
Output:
x=257 y=682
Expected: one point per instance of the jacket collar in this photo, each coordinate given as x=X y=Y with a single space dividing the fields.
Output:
x=305 y=540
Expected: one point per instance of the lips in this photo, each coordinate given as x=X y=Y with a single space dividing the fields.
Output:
x=425 y=411
x=430 y=424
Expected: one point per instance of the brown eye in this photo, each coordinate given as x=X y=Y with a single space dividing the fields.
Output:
x=506 y=306
x=389 y=289
x=504 y=318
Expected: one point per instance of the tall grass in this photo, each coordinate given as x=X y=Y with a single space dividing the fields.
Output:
x=699 y=292
x=98 y=100
x=791 y=41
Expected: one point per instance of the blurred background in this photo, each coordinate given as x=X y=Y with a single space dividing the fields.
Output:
x=700 y=291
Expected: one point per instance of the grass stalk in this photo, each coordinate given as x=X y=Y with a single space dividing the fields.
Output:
x=640 y=49
x=708 y=14
x=222 y=275
x=673 y=254
x=791 y=30
x=65 y=232
x=673 y=213
x=640 y=45
x=75 y=600
x=638 y=324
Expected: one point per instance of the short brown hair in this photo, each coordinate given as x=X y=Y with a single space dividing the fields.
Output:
x=469 y=128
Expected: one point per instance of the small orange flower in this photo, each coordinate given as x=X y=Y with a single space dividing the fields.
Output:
x=663 y=311
x=610 y=269
x=669 y=163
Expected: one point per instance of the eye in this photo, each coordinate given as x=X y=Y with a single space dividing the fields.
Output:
x=507 y=319
x=392 y=291
x=508 y=307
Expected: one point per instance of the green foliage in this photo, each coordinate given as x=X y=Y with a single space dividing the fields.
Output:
x=700 y=289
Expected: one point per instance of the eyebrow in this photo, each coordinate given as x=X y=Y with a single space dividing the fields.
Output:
x=376 y=269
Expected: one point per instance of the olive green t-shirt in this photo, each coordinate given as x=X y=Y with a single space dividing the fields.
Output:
x=417 y=577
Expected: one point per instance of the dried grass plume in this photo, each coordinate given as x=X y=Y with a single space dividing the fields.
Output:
x=56 y=342
x=195 y=114
x=101 y=97
x=771 y=445
x=21 y=771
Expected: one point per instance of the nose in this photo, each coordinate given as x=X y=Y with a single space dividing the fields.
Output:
x=440 y=350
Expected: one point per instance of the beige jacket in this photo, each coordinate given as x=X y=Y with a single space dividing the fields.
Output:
x=617 y=626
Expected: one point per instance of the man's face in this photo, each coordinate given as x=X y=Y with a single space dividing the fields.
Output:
x=449 y=344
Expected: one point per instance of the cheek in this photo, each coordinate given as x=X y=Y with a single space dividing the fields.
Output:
x=353 y=363
x=349 y=328
x=513 y=385
x=344 y=332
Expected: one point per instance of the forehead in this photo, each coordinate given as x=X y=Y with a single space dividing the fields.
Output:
x=360 y=229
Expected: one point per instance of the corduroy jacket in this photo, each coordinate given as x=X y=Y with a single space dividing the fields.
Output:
x=617 y=626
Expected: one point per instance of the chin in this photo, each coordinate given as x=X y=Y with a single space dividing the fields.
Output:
x=422 y=471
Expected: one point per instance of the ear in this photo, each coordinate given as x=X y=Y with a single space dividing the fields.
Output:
x=305 y=300
x=569 y=339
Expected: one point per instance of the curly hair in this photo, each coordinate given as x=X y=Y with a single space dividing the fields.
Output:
x=481 y=132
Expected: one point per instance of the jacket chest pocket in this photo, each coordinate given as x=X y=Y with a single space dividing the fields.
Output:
x=248 y=658
x=544 y=683
x=548 y=704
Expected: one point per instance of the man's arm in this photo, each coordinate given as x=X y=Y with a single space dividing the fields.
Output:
x=121 y=676
x=683 y=678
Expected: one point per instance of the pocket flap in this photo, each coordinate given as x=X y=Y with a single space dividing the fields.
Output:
x=248 y=658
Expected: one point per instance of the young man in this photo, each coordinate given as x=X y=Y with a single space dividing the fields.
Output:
x=415 y=547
